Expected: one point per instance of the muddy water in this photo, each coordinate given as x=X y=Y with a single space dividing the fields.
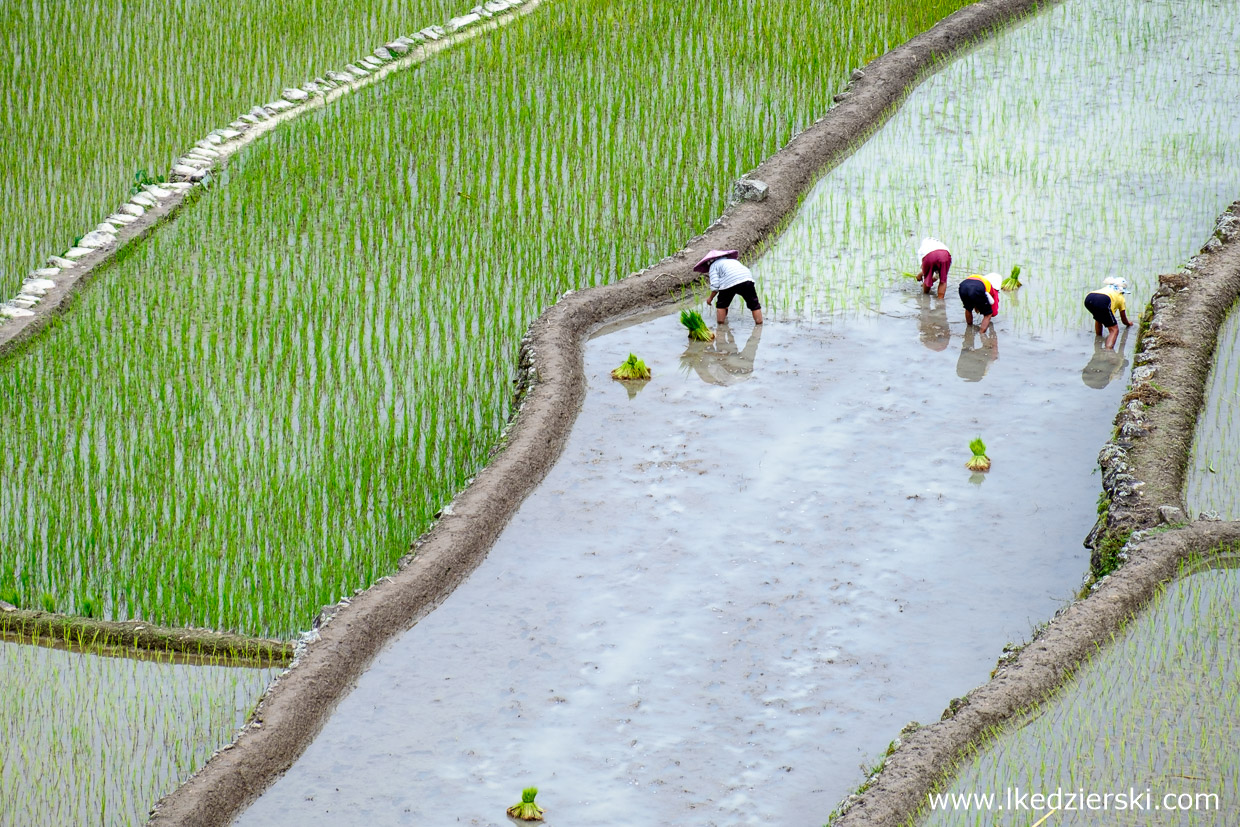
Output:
x=86 y=739
x=738 y=584
x=1211 y=479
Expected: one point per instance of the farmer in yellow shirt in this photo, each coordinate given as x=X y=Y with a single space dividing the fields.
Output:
x=981 y=294
x=1103 y=304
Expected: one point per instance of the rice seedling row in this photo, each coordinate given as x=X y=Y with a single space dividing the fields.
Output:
x=130 y=86
x=86 y=739
x=1153 y=715
x=1211 y=479
x=257 y=410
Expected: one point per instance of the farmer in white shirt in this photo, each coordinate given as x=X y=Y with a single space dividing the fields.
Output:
x=729 y=278
x=935 y=259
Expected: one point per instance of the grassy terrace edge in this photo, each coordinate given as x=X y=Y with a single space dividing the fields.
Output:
x=1142 y=519
x=551 y=386
x=135 y=638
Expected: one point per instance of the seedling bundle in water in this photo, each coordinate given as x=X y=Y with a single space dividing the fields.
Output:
x=979 y=462
x=526 y=809
x=631 y=368
x=698 y=331
x=1013 y=281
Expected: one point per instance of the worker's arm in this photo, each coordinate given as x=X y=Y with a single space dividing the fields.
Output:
x=712 y=295
x=1123 y=315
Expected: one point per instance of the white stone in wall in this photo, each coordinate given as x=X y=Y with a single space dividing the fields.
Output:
x=395 y=47
x=206 y=147
x=134 y=209
x=239 y=124
x=37 y=287
x=44 y=274
x=279 y=106
x=481 y=12
x=105 y=227
x=143 y=199
x=372 y=63
x=95 y=240
x=230 y=134
x=212 y=139
x=463 y=22
x=339 y=77
x=11 y=312
x=157 y=191
x=356 y=71
x=122 y=218
x=178 y=186
x=187 y=171
x=25 y=300
x=294 y=95
x=61 y=262
x=384 y=54
x=259 y=114
x=74 y=253
x=439 y=30
x=497 y=6
x=430 y=34
x=411 y=40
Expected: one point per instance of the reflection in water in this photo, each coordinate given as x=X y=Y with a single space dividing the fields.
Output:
x=634 y=386
x=932 y=322
x=975 y=359
x=1105 y=364
x=720 y=362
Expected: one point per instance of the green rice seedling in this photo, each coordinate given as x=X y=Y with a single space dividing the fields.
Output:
x=696 y=325
x=1012 y=282
x=526 y=809
x=631 y=368
x=979 y=461
x=48 y=601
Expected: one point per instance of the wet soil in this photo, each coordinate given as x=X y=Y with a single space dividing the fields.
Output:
x=715 y=629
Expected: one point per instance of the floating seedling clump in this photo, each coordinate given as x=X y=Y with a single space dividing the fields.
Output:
x=631 y=368
x=698 y=331
x=1013 y=281
x=979 y=461
x=526 y=809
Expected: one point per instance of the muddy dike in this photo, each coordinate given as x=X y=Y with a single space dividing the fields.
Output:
x=550 y=389
x=1143 y=466
x=137 y=639
x=1142 y=537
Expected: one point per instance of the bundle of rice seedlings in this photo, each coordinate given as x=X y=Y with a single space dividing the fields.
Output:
x=526 y=809
x=909 y=275
x=698 y=331
x=631 y=368
x=979 y=462
x=1013 y=281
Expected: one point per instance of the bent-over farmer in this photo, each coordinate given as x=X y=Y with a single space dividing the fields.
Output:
x=980 y=294
x=728 y=279
x=1102 y=305
x=935 y=258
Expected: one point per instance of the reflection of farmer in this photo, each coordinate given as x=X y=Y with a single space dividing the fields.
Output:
x=1105 y=365
x=719 y=362
x=974 y=361
x=728 y=279
x=935 y=258
x=932 y=323
x=980 y=294
x=1103 y=303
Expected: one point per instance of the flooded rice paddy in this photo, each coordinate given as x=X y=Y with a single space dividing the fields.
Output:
x=1157 y=713
x=91 y=739
x=738 y=585
x=744 y=577
x=1211 y=481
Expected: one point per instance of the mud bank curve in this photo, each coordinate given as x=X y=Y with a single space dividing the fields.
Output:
x=551 y=386
x=1143 y=478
